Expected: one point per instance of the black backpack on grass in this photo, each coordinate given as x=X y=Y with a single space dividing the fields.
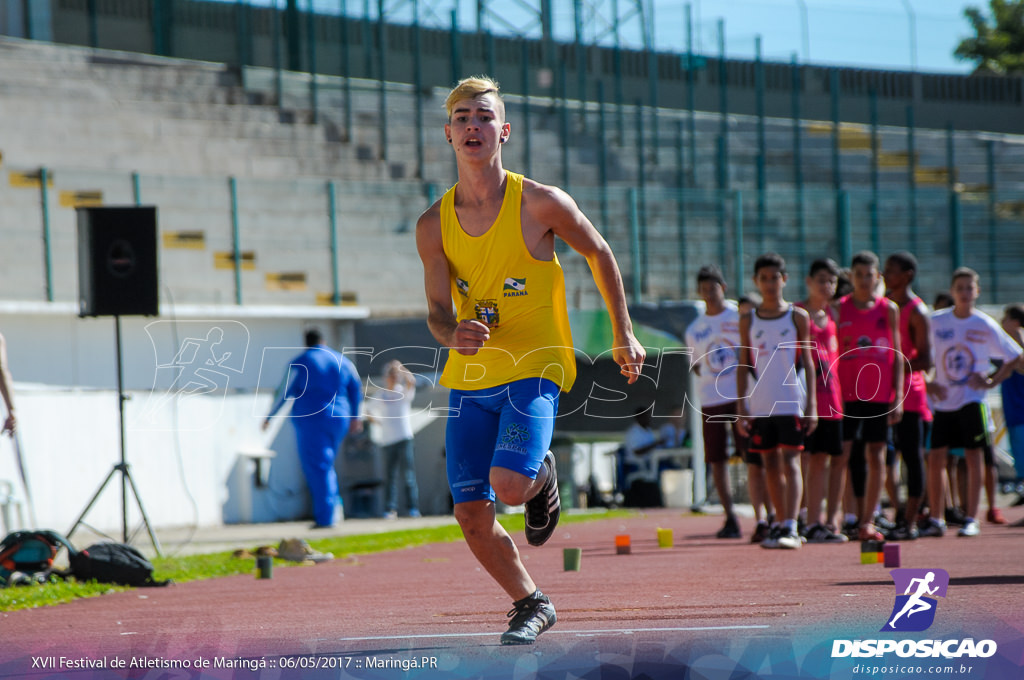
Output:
x=27 y=556
x=114 y=563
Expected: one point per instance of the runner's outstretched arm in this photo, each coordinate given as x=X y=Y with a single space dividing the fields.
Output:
x=554 y=207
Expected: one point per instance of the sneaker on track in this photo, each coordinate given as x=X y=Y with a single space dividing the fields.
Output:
x=819 y=533
x=904 y=532
x=530 y=616
x=932 y=529
x=542 y=511
x=730 y=530
x=970 y=528
x=760 y=532
x=883 y=523
x=789 y=539
x=955 y=517
x=995 y=516
x=771 y=541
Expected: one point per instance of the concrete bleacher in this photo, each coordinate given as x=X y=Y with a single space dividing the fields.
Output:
x=175 y=131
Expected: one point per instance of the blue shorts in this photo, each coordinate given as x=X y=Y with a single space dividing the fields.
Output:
x=507 y=426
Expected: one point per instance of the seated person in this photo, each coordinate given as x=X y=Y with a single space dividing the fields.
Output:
x=635 y=462
x=673 y=432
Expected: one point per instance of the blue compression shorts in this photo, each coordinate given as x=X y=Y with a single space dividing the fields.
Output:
x=507 y=426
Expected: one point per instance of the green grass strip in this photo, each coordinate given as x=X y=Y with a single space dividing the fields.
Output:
x=184 y=568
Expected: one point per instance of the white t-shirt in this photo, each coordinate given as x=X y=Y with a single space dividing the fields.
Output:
x=714 y=340
x=962 y=347
x=637 y=437
x=392 y=410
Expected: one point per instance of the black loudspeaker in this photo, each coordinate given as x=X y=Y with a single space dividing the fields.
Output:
x=117 y=261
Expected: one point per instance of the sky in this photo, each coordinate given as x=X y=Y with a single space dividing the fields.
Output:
x=890 y=34
x=898 y=34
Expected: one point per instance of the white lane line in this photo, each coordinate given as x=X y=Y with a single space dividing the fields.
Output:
x=613 y=631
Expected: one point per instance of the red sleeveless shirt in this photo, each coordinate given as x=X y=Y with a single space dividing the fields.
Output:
x=826 y=356
x=865 y=351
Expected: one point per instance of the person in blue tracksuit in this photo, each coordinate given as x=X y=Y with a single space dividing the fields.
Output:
x=326 y=393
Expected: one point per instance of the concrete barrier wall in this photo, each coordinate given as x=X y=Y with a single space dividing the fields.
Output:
x=184 y=128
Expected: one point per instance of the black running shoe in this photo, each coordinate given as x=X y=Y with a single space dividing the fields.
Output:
x=730 y=530
x=760 y=532
x=543 y=510
x=819 y=533
x=883 y=523
x=530 y=616
x=903 y=532
x=771 y=541
x=955 y=517
x=851 y=530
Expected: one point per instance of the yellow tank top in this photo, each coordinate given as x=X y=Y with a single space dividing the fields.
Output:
x=496 y=280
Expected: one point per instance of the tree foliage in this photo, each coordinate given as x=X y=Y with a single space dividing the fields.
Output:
x=998 y=44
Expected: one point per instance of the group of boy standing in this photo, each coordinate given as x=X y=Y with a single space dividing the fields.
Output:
x=496 y=298
x=813 y=390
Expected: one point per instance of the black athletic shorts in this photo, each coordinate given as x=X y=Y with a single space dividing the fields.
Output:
x=753 y=458
x=771 y=432
x=866 y=420
x=826 y=438
x=962 y=429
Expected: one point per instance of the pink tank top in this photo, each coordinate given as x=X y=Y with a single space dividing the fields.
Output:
x=865 y=351
x=915 y=398
x=826 y=356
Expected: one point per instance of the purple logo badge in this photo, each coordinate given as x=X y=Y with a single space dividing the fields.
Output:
x=916 y=593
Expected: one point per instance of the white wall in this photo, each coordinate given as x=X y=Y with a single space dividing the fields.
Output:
x=48 y=343
x=180 y=460
x=190 y=410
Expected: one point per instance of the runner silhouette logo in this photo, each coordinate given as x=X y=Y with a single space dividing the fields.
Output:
x=916 y=593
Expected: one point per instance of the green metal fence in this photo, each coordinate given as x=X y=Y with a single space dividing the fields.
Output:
x=674 y=179
x=669 y=59
x=261 y=241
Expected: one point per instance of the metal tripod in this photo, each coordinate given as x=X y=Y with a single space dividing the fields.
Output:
x=122 y=467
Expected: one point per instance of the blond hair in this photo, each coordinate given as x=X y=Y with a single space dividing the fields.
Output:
x=471 y=87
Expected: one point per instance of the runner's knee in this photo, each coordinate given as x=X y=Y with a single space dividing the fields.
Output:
x=510 y=487
x=475 y=516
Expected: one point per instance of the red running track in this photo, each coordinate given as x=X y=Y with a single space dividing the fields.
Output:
x=704 y=608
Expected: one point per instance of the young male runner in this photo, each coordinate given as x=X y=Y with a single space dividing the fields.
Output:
x=824 y=448
x=871 y=375
x=496 y=297
x=916 y=344
x=714 y=336
x=965 y=341
x=781 y=406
